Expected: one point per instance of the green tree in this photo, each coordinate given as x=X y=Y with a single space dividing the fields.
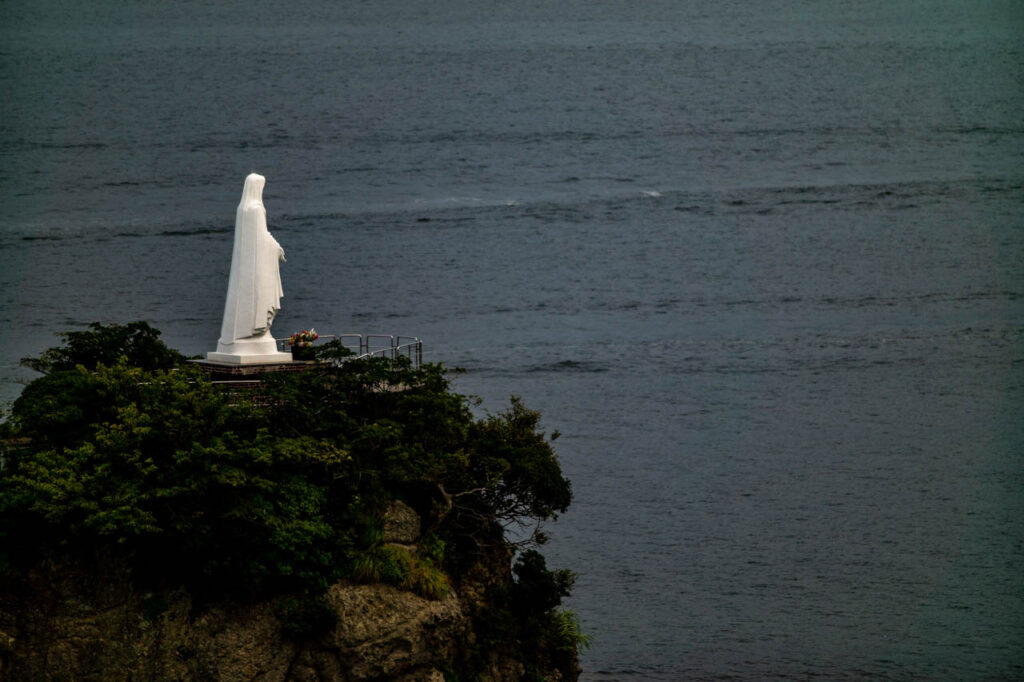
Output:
x=103 y=344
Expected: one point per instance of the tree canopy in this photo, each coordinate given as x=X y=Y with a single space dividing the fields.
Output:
x=125 y=449
x=123 y=444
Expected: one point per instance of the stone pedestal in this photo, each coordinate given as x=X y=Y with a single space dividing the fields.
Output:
x=261 y=350
x=250 y=371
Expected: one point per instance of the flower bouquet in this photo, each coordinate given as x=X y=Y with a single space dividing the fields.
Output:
x=301 y=344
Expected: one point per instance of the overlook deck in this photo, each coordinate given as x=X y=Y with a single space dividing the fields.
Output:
x=362 y=347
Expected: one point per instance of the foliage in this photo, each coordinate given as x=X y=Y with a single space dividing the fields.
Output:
x=160 y=465
x=520 y=478
x=396 y=565
x=156 y=460
x=528 y=614
x=566 y=634
x=139 y=454
x=139 y=343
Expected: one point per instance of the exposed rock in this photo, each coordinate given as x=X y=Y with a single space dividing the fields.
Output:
x=58 y=626
x=73 y=623
x=401 y=523
x=384 y=630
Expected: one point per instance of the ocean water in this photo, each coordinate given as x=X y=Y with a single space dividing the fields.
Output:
x=761 y=264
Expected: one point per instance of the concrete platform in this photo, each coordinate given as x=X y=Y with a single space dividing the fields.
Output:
x=249 y=359
x=223 y=371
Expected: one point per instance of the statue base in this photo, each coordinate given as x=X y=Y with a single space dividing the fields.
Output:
x=247 y=375
x=232 y=359
x=256 y=350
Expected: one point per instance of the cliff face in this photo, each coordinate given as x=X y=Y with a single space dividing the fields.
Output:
x=61 y=623
x=55 y=631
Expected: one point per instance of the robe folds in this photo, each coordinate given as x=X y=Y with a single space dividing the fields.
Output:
x=254 y=286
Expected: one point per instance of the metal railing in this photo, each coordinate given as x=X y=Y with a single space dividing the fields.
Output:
x=384 y=346
x=379 y=346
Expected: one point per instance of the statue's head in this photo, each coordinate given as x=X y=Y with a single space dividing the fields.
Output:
x=253 y=188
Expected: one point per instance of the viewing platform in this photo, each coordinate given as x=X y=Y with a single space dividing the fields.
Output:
x=362 y=346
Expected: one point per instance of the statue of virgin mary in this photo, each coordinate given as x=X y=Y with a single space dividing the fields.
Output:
x=254 y=286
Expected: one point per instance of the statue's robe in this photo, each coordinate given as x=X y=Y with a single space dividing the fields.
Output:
x=254 y=285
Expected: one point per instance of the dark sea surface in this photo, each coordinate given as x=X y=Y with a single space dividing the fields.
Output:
x=762 y=264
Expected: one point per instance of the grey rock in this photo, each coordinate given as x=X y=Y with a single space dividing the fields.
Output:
x=401 y=523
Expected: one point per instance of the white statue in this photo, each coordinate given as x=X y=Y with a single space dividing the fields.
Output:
x=254 y=286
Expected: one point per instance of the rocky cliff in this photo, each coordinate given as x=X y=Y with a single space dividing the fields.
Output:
x=64 y=623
